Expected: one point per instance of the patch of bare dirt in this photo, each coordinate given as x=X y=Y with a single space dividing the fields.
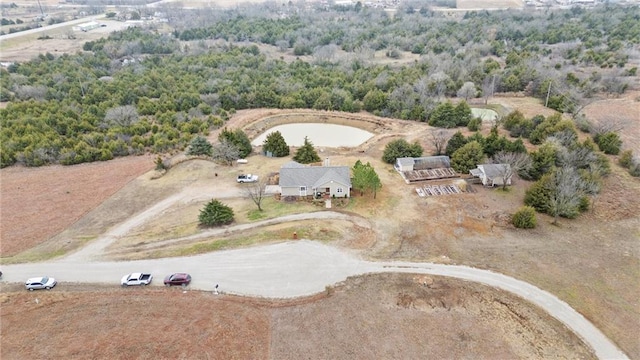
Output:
x=374 y=316
x=37 y=203
x=397 y=316
x=131 y=324
x=624 y=113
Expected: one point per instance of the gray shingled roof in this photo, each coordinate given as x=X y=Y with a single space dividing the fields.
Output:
x=313 y=176
x=492 y=171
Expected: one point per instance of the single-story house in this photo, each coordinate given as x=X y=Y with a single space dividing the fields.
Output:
x=422 y=163
x=493 y=174
x=302 y=180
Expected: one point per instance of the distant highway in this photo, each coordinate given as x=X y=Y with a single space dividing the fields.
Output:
x=51 y=27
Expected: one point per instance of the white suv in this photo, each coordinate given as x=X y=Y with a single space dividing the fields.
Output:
x=40 y=283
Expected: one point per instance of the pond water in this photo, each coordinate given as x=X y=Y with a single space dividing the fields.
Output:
x=484 y=114
x=329 y=135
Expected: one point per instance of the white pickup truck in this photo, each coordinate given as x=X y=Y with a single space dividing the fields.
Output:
x=247 y=178
x=136 y=279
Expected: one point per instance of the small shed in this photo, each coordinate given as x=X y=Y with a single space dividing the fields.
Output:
x=87 y=26
x=493 y=174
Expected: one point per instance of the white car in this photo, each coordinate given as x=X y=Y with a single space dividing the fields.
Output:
x=247 y=178
x=136 y=279
x=43 y=282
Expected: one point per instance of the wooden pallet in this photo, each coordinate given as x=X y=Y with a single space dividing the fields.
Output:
x=438 y=190
x=430 y=174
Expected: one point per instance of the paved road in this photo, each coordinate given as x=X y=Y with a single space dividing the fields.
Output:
x=51 y=27
x=299 y=268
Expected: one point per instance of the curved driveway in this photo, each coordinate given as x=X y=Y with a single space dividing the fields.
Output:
x=284 y=270
x=299 y=268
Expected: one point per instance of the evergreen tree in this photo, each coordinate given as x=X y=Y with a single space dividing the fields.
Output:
x=400 y=148
x=365 y=178
x=237 y=138
x=200 y=146
x=456 y=142
x=444 y=115
x=215 y=213
x=276 y=144
x=467 y=157
x=609 y=142
x=542 y=161
x=375 y=100
x=524 y=218
x=307 y=153
x=462 y=113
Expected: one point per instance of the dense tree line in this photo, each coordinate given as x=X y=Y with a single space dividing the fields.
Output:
x=139 y=90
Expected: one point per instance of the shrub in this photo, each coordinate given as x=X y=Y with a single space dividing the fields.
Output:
x=626 y=159
x=467 y=157
x=215 y=213
x=200 y=146
x=539 y=194
x=524 y=218
x=609 y=142
x=400 y=148
x=160 y=163
x=474 y=124
x=634 y=170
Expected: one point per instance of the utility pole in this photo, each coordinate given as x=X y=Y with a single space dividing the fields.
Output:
x=546 y=102
x=493 y=85
x=41 y=12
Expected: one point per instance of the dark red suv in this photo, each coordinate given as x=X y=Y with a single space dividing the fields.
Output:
x=177 y=279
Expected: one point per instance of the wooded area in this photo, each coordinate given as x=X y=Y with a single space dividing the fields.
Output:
x=140 y=90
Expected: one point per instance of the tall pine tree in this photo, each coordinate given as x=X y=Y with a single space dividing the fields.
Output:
x=307 y=153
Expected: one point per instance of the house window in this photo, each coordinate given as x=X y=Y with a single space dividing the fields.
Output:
x=303 y=188
x=339 y=190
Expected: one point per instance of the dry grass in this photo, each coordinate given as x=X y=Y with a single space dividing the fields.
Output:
x=121 y=324
x=37 y=203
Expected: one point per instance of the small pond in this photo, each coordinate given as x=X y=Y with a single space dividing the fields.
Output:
x=484 y=114
x=329 y=135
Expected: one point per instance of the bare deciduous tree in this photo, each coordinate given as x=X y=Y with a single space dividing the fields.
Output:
x=257 y=191
x=225 y=152
x=468 y=90
x=282 y=45
x=609 y=123
x=121 y=116
x=488 y=86
x=25 y=92
x=568 y=188
x=510 y=164
x=326 y=53
x=439 y=138
x=439 y=81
